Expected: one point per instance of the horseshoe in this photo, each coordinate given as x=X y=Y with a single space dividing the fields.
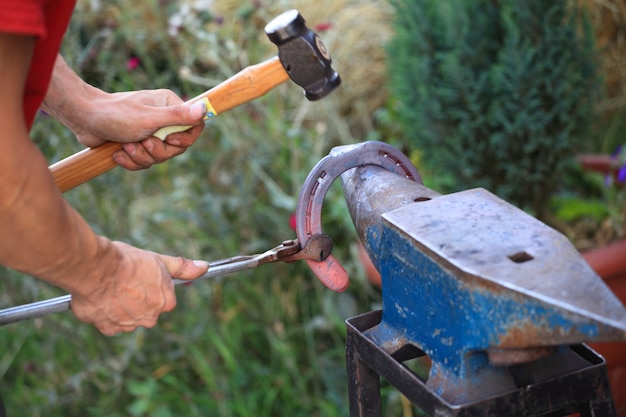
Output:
x=309 y=209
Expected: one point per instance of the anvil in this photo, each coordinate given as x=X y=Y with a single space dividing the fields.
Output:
x=501 y=303
x=474 y=282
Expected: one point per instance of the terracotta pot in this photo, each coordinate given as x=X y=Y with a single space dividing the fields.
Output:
x=610 y=263
x=600 y=163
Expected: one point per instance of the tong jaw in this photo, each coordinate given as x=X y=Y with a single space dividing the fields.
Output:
x=309 y=209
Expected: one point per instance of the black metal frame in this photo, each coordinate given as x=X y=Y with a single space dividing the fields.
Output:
x=585 y=390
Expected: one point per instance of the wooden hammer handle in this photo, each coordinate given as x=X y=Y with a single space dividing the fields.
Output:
x=250 y=83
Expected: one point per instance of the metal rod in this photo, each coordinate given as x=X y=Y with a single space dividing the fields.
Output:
x=63 y=303
x=33 y=310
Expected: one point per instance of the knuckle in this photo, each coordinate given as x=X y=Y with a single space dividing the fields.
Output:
x=150 y=322
x=107 y=330
x=134 y=167
x=170 y=305
x=177 y=267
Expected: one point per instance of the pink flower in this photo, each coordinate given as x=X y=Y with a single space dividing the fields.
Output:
x=321 y=27
x=292 y=222
x=132 y=63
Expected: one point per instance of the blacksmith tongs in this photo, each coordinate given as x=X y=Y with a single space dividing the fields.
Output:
x=317 y=248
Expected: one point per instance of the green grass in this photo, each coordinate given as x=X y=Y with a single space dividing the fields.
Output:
x=268 y=342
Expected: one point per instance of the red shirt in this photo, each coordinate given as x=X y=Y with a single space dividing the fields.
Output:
x=47 y=20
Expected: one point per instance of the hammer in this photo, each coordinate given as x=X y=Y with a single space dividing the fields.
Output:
x=301 y=56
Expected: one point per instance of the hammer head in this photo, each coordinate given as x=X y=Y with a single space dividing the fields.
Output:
x=303 y=55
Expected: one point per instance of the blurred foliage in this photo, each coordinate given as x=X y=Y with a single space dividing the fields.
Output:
x=498 y=94
x=266 y=342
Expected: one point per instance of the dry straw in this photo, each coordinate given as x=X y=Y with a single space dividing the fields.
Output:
x=356 y=35
x=609 y=20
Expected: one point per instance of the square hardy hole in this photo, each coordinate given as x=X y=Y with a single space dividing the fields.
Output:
x=521 y=257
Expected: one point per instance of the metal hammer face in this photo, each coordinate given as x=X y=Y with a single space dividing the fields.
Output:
x=303 y=55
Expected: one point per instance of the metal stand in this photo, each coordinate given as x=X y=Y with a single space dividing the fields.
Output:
x=585 y=390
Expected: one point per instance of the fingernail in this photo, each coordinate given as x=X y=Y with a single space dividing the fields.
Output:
x=130 y=148
x=119 y=158
x=198 y=109
x=203 y=264
x=173 y=141
x=148 y=144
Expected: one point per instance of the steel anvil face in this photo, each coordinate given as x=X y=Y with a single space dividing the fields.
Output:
x=475 y=283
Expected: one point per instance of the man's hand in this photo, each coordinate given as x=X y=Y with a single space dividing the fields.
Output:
x=136 y=292
x=131 y=118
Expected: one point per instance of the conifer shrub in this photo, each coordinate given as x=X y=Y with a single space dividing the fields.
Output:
x=494 y=93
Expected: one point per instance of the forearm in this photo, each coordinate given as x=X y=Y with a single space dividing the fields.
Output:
x=44 y=236
x=41 y=234
x=69 y=99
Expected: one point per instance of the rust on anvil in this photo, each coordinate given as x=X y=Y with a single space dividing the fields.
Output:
x=527 y=332
x=507 y=357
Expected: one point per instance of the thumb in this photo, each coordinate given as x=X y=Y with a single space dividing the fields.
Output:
x=183 y=268
x=185 y=114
